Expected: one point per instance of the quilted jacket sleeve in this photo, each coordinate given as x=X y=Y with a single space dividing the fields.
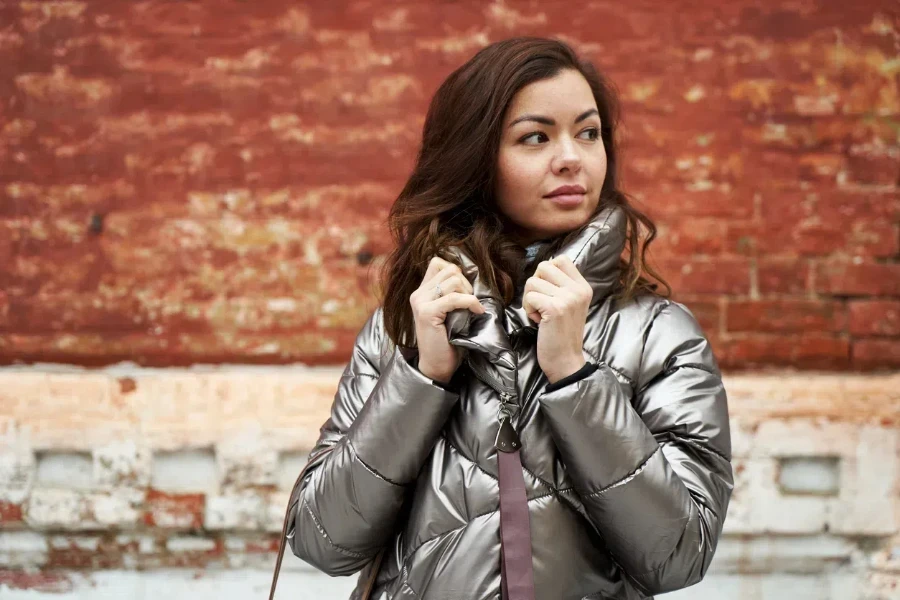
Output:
x=383 y=425
x=654 y=472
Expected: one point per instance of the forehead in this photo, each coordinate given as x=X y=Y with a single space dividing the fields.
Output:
x=567 y=93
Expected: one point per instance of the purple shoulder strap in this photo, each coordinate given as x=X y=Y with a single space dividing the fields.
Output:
x=516 y=575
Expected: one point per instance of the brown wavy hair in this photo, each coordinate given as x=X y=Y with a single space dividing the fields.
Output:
x=449 y=197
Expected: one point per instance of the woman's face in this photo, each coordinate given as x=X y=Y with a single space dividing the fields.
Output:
x=550 y=138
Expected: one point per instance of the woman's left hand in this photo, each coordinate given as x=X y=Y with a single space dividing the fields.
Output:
x=557 y=298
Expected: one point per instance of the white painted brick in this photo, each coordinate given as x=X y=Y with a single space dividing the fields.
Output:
x=17 y=465
x=145 y=544
x=246 y=460
x=22 y=549
x=122 y=464
x=809 y=475
x=805 y=437
x=65 y=470
x=791 y=587
x=758 y=507
x=190 y=544
x=244 y=511
x=185 y=471
x=119 y=509
x=81 y=542
x=55 y=508
x=275 y=511
x=235 y=544
x=792 y=554
x=289 y=466
x=742 y=436
x=882 y=586
x=887 y=560
x=76 y=510
x=867 y=504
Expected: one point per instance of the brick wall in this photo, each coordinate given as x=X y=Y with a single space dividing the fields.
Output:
x=207 y=182
x=128 y=469
x=203 y=182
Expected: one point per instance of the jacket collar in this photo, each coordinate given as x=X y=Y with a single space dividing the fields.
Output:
x=595 y=253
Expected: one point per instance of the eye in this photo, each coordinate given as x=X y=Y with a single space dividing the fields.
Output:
x=593 y=130
x=530 y=135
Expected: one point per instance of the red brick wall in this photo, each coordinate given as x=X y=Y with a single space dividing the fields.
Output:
x=207 y=182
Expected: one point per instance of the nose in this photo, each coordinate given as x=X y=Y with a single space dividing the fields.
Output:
x=566 y=158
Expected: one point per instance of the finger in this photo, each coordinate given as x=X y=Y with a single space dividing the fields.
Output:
x=536 y=304
x=440 y=275
x=540 y=285
x=454 y=283
x=455 y=300
x=434 y=266
x=549 y=271
x=450 y=273
x=567 y=266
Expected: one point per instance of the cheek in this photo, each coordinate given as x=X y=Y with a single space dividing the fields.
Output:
x=515 y=173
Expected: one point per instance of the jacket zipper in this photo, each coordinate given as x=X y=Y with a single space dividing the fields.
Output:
x=507 y=439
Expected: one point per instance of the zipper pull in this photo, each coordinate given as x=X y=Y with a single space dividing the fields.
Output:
x=507 y=438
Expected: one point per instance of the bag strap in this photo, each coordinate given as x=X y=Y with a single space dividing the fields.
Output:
x=376 y=564
x=516 y=576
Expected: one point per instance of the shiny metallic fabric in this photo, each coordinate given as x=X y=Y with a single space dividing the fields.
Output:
x=628 y=470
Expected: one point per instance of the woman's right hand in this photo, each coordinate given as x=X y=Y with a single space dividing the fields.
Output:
x=439 y=360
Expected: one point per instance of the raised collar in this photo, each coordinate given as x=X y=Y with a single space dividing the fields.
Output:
x=595 y=253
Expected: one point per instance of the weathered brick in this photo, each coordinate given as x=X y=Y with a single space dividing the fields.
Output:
x=807 y=350
x=174 y=511
x=868 y=494
x=757 y=507
x=17 y=473
x=689 y=235
x=862 y=279
x=818 y=476
x=246 y=461
x=244 y=511
x=185 y=471
x=876 y=353
x=783 y=276
x=64 y=470
x=79 y=510
x=782 y=316
x=874 y=317
x=22 y=549
x=719 y=276
x=123 y=464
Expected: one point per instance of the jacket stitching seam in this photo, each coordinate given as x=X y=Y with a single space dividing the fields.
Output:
x=628 y=477
x=463 y=455
x=697 y=445
x=665 y=373
x=410 y=588
x=480 y=468
x=368 y=468
x=352 y=375
x=596 y=233
x=602 y=363
x=671 y=554
x=662 y=306
x=325 y=535
x=466 y=524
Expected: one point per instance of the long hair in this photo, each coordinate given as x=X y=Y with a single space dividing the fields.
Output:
x=448 y=199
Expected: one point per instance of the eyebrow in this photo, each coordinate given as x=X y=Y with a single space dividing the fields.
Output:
x=548 y=121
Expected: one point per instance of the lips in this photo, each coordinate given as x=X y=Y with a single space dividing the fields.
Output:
x=566 y=190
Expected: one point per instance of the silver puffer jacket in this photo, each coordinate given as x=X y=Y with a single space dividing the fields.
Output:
x=627 y=468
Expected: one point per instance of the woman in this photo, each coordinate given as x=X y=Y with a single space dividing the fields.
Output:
x=524 y=416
